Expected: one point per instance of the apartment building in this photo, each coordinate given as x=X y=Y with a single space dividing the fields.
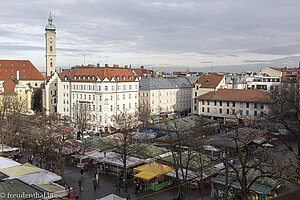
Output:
x=105 y=91
x=166 y=94
x=226 y=103
x=203 y=85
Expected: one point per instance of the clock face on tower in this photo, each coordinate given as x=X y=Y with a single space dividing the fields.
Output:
x=50 y=38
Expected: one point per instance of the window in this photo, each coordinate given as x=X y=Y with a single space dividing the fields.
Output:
x=247 y=112
x=220 y=103
x=118 y=107
x=233 y=104
x=261 y=106
x=89 y=97
x=207 y=109
x=129 y=105
x=227 y=111
x=93 y=107
x=99 y=88
x=118 y=97
x=111 y=108
x=233 y=111
x=129 y=96
x=247 y=105
x=112 y=88
x=93 y=97
x=261 y=114
x=241 y=112
x=202 y=102
x=100 y=108
x=220 y=110
x=124 y=87
x=100 y=98
x=241 y=104
x=123 y=96
x=106 y=88
x=130 y=87
x=195 y=101
x=111 y=97
x=255 y=113
x=50 y=48
x=207 y=102
x=215 y=103
x=255 y=105
x=202 y=109
x=135 y=104
x=228 y=103
x=124 y=107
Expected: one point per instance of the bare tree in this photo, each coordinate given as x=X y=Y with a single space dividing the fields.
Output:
x=285 y=110
x=250 y=162
x=81 y=112
x=144 y=112
x=124 y=123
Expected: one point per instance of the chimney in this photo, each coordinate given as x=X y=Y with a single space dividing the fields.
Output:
x=106 y=65
x=18 y=75
x=98 y=64
x=115 y=66
x=142 y=67
x=126 y=66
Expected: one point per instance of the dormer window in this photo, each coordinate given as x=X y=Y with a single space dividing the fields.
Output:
x=89 y=77
x=75 y=77
x=124 y=77
x=93 y=77
x=66 y=78
x=83 y=77
x=118 y=77
x=79 y=77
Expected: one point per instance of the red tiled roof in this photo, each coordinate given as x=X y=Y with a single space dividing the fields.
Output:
x=209 y=81
x=237 y=95
x=140 y=72
x=67 y=73
x=9 y=87
x=27 y=71
x=100 y=72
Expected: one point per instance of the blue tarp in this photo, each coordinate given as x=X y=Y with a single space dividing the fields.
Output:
x=156 y=117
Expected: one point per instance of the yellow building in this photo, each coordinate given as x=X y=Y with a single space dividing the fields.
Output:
x=15 y=95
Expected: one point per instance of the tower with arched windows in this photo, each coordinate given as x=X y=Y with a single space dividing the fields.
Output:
x=50 y=47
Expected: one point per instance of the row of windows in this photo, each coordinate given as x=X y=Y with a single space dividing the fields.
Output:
x=93 y=97
x=106 y=88
x=231 y=111
x=111 y=108
x=233 y=104
x=94 y=77
x=145 y=94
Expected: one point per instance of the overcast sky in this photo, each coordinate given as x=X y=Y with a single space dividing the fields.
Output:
x=182 y=33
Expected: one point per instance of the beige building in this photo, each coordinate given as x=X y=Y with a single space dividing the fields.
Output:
x=204 y=85
x=271 y=71
x=166 y=94
x=226 y=103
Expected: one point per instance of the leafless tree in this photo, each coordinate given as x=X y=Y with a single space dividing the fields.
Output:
x=144 y=112
x=81 y=112
x=124 y=123
x=285 y=110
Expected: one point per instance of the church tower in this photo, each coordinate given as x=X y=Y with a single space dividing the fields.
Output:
x=50 y=47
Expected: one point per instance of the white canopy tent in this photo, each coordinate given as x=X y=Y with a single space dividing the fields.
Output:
x=112 y=197
x=6 y=162
x=42 y=177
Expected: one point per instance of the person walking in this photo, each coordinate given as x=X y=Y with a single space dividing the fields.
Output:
x=98 y=170
x=97 y=178
x=95 y=184
x=125 y=187
x=80 y=185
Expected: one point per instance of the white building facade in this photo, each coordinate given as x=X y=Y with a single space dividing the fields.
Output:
x=166 y=94
x=105 y=91
x=226 y=103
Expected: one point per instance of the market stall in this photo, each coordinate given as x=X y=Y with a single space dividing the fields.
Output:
x=152 y=176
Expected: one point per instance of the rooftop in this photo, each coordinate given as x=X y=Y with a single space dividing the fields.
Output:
x=237 y=95
x=164 y=83
x=209 y=81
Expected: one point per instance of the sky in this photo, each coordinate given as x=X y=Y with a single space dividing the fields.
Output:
x=218 y=35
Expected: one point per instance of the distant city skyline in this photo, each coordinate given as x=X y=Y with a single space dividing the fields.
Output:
x=208 y=34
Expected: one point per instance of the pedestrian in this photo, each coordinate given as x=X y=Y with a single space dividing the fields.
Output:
x=81 y=171
x=125 y=187
x=97 y=178
x=95 y=184
x=128 y=197
x=136 y=188
x=80 y=185
x=118 y=185
x=98 y=170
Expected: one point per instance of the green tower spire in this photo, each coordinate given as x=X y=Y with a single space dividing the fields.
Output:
x=50 y=27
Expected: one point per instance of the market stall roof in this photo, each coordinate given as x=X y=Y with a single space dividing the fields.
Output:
x=147 y=151
x=113 y=158
x=152 y=170
x=42 y=177
x=112 y=197
x=53 y=188
x=15 y=186
x=5 y=163
x=256 y=187
x=8 y=148
x=21 y=170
